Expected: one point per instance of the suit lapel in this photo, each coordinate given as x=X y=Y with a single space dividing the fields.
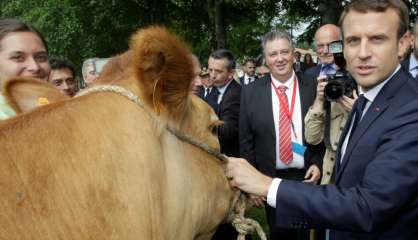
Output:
x=266 y=104
x=307 y=94
x=342 y=137
x=377 y=107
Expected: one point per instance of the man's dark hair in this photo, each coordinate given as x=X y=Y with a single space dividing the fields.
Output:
x=11 y=25
x=364 y=6
x=250 y=60
x=58 y=63
x=276 y=34
x=224 y=54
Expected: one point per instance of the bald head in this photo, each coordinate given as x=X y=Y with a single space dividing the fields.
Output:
x=324 y=35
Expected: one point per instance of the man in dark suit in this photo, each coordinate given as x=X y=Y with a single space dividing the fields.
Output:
x=207 y=92
x=375 y=195
x=271 y=123
x=221 y=66
x=410 y=64
x=249 y=72
x=298 y=65
x=323 y=37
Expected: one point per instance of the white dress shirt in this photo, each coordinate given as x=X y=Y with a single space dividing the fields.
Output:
x=222 y=91
x=248 y=78
x=298 y=160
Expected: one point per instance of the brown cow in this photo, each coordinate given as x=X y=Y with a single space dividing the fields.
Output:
x=100 y=167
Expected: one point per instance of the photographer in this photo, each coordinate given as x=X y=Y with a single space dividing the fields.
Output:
x=327 y=116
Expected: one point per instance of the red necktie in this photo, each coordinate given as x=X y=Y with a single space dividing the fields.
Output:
x=285 y=137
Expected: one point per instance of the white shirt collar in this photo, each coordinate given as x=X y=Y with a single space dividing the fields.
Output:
x=288 y=83
x=223 y=88
x=371 y=94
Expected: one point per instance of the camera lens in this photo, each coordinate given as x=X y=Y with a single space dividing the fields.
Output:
x=334 y=90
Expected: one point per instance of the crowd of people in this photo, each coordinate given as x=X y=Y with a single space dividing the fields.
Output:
x=24 y=53
x=345 y=167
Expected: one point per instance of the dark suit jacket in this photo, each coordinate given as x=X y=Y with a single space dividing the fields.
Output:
x=229 y=114
x=201 y=92
x=376 y=190
x=405 y=64
x=241 y=79
x=257 y=133
x=313 y=71
x=302 y=67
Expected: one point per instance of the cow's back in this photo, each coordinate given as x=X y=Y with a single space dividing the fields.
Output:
x=100 y=167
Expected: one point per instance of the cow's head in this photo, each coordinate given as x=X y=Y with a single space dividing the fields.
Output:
x=158 y=67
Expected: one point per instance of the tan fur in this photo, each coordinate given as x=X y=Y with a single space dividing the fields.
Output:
x=25 y=94
x=166 y=66
x=99 y=167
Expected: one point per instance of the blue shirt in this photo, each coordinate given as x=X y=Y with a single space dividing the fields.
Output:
x=413 y=65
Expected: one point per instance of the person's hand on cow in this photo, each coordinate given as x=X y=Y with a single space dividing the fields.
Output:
x=244 y=176
x=313 y=175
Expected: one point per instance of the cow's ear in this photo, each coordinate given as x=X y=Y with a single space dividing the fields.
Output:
x=25 y=94
x=163 y=66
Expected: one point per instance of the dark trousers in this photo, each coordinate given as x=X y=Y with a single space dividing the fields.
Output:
x=286 y=233
x=225 y=232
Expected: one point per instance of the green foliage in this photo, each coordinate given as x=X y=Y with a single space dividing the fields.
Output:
x=79 y=29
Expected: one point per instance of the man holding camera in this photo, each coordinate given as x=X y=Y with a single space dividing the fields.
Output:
x=327 y=116
x=376 y=183
x=323 y=37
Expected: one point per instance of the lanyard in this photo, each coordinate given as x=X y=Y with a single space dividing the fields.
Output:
x=292 y=105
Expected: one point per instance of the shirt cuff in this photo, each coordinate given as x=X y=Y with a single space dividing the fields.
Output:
x=272 y=193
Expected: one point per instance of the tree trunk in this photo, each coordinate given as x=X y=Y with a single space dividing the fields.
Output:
x=217 y=17
x=330 y=11
x=155 y=11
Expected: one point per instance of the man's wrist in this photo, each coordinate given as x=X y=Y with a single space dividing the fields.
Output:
x=272 y=192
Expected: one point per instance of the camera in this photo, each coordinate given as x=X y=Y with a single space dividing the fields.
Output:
x=340 y=83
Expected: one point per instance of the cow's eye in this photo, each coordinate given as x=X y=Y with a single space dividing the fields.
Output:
x=213 y=126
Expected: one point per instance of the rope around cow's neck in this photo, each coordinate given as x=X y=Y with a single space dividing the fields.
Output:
x=236 y=216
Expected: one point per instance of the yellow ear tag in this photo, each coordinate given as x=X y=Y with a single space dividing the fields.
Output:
x=43 y=101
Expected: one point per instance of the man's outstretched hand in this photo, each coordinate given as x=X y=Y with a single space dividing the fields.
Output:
x=244 y=176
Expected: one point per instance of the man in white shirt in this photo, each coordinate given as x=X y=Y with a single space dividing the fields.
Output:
x=249 y=72
x=271 y=123
x=375 y=193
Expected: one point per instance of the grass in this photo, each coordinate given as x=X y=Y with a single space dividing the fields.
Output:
x=259 y=215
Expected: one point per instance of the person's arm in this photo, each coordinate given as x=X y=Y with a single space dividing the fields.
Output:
x=389 y=183
x=230 y=116
x=315 y=118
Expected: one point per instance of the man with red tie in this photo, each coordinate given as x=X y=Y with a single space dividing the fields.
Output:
x=376 y=181
x=271 y=123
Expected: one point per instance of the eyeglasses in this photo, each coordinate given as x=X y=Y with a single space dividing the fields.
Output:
x=322 y=46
